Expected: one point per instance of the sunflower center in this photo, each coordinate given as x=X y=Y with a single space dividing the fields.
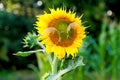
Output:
x=63 y=34
x=62 y=27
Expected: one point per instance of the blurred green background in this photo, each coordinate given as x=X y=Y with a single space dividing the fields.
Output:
x=101 y=49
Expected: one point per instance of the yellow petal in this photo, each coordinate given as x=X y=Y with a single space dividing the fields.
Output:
x=60 y=52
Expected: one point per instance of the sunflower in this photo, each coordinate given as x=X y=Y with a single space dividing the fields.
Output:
x=61 y=32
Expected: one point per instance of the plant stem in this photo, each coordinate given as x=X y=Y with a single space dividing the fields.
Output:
x=48 y=56
x=62 y=72
x=40 y=63
x=54 y=65
x=60 y=78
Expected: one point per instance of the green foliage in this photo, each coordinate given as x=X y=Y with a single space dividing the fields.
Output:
x=18 y=75
x=3 y=49
x=30 y=40
x=27 y=53
x=101 y=55
x=68 y=66
x=10 y=29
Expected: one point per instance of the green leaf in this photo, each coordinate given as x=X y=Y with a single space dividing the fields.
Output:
x=28 y=53
x=23 y=54
x=72 y=64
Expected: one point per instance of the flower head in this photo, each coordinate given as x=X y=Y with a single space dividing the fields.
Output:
x=61 y=32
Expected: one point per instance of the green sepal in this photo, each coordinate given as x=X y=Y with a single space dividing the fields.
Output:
x=30 y=40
